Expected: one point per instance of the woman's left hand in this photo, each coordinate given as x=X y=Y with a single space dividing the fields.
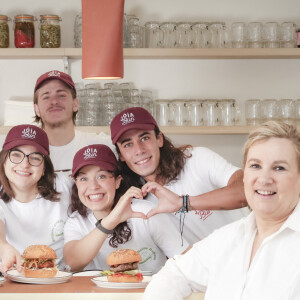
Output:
x=123 y=211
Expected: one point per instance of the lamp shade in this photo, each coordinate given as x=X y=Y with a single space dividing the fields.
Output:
x=102 y=39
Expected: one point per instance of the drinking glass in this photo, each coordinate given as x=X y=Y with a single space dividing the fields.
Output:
x=238 y=35
x=194 y=111
x=153 y=35
x=253 y=112
x=217 y=35
x=211 y=112
x=229 y=111
x=255 y=35
x=286 y=110
x=184 y=35
x=288 y=35
x=168 y=34
x=269 y=110
x=162 y=112
x=297 y=111
x=178 y=112
x=271 y=35
x=200 y=35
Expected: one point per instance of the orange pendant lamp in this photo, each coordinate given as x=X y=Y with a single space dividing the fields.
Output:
x=102 y=39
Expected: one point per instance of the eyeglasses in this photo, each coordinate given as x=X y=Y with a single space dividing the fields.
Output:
x=17 y=156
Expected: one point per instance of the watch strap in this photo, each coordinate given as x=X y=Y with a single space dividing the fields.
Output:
x=103 y=229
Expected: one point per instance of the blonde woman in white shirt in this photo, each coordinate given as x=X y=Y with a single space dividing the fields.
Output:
x=256 y=257
x=107 y=216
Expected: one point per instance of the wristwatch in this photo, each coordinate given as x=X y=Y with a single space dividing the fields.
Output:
x=101 y=228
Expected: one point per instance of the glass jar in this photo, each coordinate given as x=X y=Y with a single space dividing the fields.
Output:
x=4 y=31
x=78 y=31
x=24 y=31
x=50 y=36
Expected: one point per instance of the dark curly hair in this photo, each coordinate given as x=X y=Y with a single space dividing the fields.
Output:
x=45 y=185
x=171 y=163
x=122 y=233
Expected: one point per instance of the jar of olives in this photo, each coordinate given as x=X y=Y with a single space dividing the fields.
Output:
x=4 y=31
x=24 y=31
x=50 y=36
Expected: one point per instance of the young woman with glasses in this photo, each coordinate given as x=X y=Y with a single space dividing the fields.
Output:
x=33 y=200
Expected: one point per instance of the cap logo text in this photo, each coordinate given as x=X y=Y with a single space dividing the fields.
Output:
x=28 y=133
x=127 y=118
x=54 y=73
x=90 y=153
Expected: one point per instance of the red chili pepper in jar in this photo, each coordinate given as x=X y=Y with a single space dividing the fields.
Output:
x=24 y=31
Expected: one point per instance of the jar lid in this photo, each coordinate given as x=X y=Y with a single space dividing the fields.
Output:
x=52 y=17
x=25 y=17
x=4 y=18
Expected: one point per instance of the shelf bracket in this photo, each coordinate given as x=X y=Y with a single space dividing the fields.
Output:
x=66 y=64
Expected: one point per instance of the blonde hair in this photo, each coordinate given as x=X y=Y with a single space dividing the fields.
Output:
x=273 y=129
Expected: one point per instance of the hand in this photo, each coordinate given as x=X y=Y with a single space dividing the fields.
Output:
x=123 y=211
x=10 y=256
x=168 y=202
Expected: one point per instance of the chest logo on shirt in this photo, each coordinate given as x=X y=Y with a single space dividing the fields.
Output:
x=204 y=214
x=147 y=254
x=57 y=231
x=90 y=153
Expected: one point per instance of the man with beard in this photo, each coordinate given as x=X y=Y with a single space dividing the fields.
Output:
x=56 y=106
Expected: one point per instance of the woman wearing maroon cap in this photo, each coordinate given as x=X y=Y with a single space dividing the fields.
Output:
x=34 y=202
x=107 y=216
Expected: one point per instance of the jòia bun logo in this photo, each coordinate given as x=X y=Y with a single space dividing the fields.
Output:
x=127 y=118
x=28 y=133
x=90 y=153
x=54 y=73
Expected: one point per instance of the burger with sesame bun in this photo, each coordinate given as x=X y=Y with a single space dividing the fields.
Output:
x=123 y=266
x=39 y=262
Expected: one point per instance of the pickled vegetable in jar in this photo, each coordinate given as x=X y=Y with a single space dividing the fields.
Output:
x=50 y=34
x=4 y=31
x=24 y=31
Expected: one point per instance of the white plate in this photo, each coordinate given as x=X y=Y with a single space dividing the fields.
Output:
x=2 y=279
x=60 y=277
x=103 y=283
x=88 y=273
x=146 y=273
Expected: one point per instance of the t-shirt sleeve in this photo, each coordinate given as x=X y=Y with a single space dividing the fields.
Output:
x=72 y=230
x=166 y=236
x=2 y=212
x=218 y=169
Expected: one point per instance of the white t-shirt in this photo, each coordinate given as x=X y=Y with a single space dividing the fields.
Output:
x=203 y=172
x=220 y=265
x=154 y=239
x=38 y=222
x=62 y=156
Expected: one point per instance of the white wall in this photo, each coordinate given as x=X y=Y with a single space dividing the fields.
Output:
x=239 y=79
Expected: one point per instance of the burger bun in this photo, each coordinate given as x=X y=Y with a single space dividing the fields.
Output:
x=123 y=256
x=40 y=273
x=123 y=278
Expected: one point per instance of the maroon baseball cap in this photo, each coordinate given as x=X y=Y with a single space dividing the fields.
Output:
x=27 y=135
x=97 y=154
x=65 y=78
x=131 y=118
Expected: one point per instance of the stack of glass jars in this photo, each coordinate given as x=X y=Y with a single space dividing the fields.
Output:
x=98 y=106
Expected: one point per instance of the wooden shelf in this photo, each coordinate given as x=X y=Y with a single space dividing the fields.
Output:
x=156 y=53
x=180 y=130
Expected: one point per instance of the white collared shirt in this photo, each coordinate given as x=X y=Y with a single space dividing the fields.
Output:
x=219 y=265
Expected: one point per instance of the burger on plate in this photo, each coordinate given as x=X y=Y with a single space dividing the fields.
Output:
x=123 y=266
x=39 y=262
